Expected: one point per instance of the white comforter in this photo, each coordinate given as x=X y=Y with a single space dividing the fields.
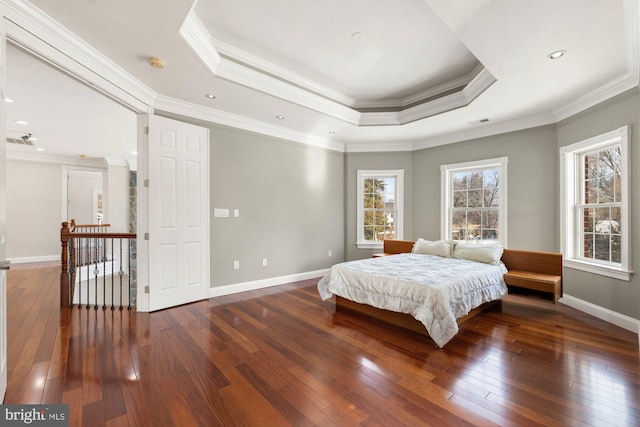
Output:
x=434 y=290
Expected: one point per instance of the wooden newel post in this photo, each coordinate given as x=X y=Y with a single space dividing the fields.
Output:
x=64 y=273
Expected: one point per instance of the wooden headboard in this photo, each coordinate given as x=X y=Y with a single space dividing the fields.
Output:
x=541 y=271
x=397 y=246
x=514 y=259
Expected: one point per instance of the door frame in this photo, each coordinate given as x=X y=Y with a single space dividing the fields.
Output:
x=142 y=219
x=69 y=169
x=183 y=234
x=29 y=29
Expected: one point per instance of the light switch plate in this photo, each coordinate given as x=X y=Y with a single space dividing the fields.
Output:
x=221 y=213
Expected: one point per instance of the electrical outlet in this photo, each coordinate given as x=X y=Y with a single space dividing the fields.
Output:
x=329 y=254
x=236 y=265
x=264 y=262
x=236 y=213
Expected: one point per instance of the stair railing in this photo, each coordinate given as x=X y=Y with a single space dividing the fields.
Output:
x=96 y=266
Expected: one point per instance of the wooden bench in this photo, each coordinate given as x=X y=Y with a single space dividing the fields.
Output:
x=539 y=271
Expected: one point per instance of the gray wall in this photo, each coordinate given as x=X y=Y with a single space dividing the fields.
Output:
x=33 y=209
x=532 y=176
x=298 y=202
x=616 y=295
x=291 y=203
x=374 y=161
x=34 y=205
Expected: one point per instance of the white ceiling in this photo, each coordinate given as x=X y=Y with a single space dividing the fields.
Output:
x=67 y=117
x=366 y=50
x=437 y=66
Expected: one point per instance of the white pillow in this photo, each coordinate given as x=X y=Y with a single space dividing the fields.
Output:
x=443 y=248
x=489 y=254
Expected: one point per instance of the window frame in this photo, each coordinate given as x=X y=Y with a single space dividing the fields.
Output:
x=446 y=193
x=571 y=177
x=362 y=174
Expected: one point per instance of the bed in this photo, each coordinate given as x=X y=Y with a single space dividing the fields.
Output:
x=439 y=284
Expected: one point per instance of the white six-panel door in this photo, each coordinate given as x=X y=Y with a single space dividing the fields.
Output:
x=178 y=213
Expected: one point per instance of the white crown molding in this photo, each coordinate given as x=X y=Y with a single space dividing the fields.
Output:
x=284 y=74
x=198 y=39
x=422 y=95
x=481 y=131
x=209 y=49
x=112 y=161
x=632 y=32
x=628 y=81
x=35 y=31
x=381 y=118
x=595 y=97
x=481 y=82
x=256 y=73
x=58 y=159
x=437 y=106
x=257 y=80
x=378 y=147
x=183 y=108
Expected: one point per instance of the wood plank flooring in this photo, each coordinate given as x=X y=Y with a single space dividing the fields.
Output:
x=280 y=357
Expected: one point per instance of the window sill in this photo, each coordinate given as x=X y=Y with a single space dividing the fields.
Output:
x=369 y=245
x=603 y=270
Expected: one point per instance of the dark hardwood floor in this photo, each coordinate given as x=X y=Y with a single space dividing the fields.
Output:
x=279 y=357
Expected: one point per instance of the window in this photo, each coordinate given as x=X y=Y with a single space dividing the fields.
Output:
x=595 y=205
x=380 y=203
x=474 y=201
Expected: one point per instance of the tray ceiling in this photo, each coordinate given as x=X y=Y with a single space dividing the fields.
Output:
x=362 y=75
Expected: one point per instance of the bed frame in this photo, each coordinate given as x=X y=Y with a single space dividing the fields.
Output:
x=528 y=269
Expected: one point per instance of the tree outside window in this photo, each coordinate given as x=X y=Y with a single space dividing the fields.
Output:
x=379 y=207
x=600 y=208
x=474 y=202
x=595 y=208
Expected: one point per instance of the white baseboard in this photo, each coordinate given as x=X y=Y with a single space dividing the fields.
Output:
x=27 y=259
x=264 y=283
x=625 y=322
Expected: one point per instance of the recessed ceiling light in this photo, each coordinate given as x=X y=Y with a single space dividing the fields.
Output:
x=357 y=35
x=8 y=100
x=134 y=152
x=557 y=54
x=39 y=149
x=210 y=95
x=22 y=122
x=280 y=117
